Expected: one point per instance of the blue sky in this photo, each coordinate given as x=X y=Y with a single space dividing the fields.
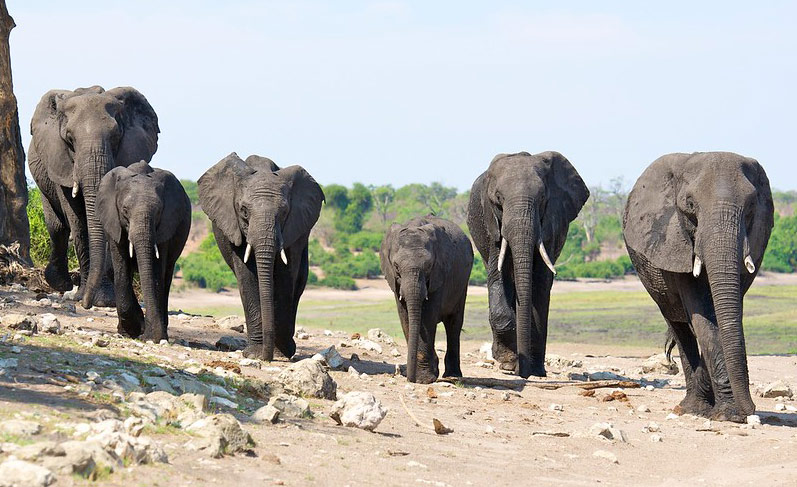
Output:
x=417 y=91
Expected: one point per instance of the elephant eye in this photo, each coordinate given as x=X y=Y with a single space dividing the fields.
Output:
x=245 y=212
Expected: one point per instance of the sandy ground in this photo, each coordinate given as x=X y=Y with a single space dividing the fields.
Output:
x=516 y=433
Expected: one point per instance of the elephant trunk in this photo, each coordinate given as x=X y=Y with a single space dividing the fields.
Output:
x=723 y=256
x=265 y=250
x=149 y=271
x=95 y=163
x=523 y=237
x=414 y=298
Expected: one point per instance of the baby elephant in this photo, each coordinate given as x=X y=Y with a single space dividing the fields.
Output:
x=427 y=263
x=146 y=216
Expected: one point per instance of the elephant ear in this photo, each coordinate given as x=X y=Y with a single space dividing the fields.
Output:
x=259 y=163
x=176 y=204
x=567 y=194
x=476 y=217
x=490 y=219
x=45 y=127
x=140 y=125
x=652 y=223
x=217 y=195
x=764 y=213
x=442 y=264
x=108 y=210
x=305 y=197
x=386 y=257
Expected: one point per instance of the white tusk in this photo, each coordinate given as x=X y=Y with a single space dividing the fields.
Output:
x=157 y=255
x=748 y=262
x=502 y=253
x=131 y=250
x=545 y=257
x=697 y=267
x=74 y=190
x=283 y=257
x=247 y=252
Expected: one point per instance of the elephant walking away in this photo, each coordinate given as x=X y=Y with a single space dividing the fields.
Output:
x=427 y=263
x=146 y=215
x=518 y=215
x=262 y=216
x=77 y=137
x=696 y=227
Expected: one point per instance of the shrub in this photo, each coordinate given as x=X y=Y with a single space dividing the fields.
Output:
x=781 y=254
x=364 y=240
x=339 y=282
x=206 y=267
x=478 y=274
x=39 y=238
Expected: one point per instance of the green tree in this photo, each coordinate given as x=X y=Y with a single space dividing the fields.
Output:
x=39 y=238
x=781 y=254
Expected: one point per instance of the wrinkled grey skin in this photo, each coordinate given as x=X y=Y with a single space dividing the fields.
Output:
x=255 y=202
x=524 y=199
x=78 y=136
x=427 y=263
x=716 y=206
x=143 y=207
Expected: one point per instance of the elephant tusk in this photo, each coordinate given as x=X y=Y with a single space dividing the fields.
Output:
x=284 y=257
x=157 y=255
x=697 y=267
x=247 y=252
x=75 y=190
x=131 y=250
x=748 y=262
x=502 y=253
x=545 y=257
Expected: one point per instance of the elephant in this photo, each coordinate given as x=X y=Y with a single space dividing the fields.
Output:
x=687 y=212
x=519 y=213
x=77 y=137
x=427 y=264
x=146 y=215
x=259 y=210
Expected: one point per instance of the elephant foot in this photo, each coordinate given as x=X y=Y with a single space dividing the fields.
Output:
x=453 y=372
x=58 y=278
x=155 y=335
x=727 y=411
x=253 y=350
x=130 y=328
x=287 y=348
x=105 y=296
x=692 y=404
x=526 y=369
x=423 y=376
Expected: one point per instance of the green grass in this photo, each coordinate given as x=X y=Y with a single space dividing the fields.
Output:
x=626 y=318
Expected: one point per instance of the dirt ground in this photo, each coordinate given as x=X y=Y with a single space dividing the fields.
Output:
x=513 y=433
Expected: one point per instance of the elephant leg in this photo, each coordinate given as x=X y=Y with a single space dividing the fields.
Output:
x=75 y=213
x=541 y=300
x=57 y=271
x=699 y=398
x=284 y=308
x=453 y=325
x=428 y=363
x=501 y=299
x=131 y=317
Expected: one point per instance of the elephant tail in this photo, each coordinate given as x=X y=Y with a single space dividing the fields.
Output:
x=669 y=344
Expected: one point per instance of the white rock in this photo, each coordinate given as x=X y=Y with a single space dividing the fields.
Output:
x=221 y=401
x=328 y=333
x=266 y=414
x=651 y=428
x=556 y=407
x=777 y=389
x=379 y=335
x=486 y=365
x=19 y=473
x=643 y=408
x=558 y=362
x=606 y=454
x=487 y=350
x=309 y=379
x=394 y=352
x=331 y=356
x=50 y=324
x=672 y=416
x=303 y=336
x=250 y=362
x=359 y=410
x=489 y=429
x=659 y=364
x=655 y=438
x=92 y=375
x=9 y=363
x=290 y=406
x=219 y=434
x=754 y=420
x=369 y=345
x=20 y=427
x=71 y=295
x=414 y=464
x=791 y=408
x=607 y=431
x=780 y=407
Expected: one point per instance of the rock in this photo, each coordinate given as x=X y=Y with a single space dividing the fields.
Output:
x=19 y=322
x=606 y=454
x=36 y=451
x=379 y=335
x=487 y=350
x=159 y=383
x=780 y=407
x=369 y=345
x=558 y=362
x=9 y=363
x=291 y=406
x=99 y=341
x=414 y=464
x=50 y=324
x=250 y=362
x=659 y=364
x=331 y=357
x=267 y=414
x=607 y=431
x=196 y=401
x=221 y=401
x=359 y=410
x=19 y=473
x=394 y=352
x=651 y=428
x=20 y=427
x=71 y=295
x=643 y=408
x=672 y=416
x=219 y=434
x=230 y=343
x=656 y=438
x=556 y=407
x=232 y=322
x=309 y=379
x=776 y=389
x=92 y=375
x=754 y=420
x=79 y=459
x=605 y=375
x=128 y=381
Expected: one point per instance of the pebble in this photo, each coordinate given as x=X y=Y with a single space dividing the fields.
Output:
x=556 y=407
x=606 y=454
x=656 y=438
x=754 y=420
x=642 y=408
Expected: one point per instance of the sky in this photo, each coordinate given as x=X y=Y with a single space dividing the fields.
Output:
x=399 y=92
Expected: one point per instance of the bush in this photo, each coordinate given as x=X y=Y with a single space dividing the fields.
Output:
x=339 y=282
x=206 y=267
x=781 y=254
x=364 y=240
x=478 y=274
x=602 y=269
x=39 y=238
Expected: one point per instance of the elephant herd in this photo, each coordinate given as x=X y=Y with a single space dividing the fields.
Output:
x=696 y=227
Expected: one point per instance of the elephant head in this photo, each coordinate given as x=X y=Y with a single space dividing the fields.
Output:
x=141 y=208
x=412 y=265
x=262 y=210
x=528 y=202
x=712 y=210
x=81 y=135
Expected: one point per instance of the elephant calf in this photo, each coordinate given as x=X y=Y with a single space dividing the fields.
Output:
x=427 y=263
x=146 y=216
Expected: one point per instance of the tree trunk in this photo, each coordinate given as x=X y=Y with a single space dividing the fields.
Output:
x=13 y=186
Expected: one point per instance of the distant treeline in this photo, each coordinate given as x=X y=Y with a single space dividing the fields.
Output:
x=345 y=242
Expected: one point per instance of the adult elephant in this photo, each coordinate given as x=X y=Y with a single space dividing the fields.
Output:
x=147 y=216
x=687 y=212
x=77 y=137
x=518 y=215
x=262 y=216
x=427 y=264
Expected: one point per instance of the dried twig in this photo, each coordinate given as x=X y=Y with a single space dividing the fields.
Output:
x=587 y=385
x=438 y=427
x=516 y=384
